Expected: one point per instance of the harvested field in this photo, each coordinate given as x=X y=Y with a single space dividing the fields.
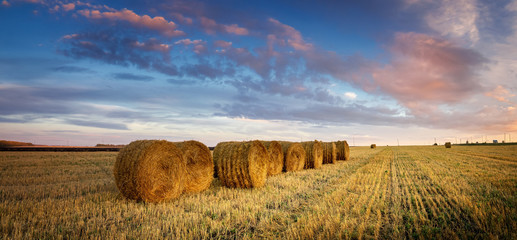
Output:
x=423 y=192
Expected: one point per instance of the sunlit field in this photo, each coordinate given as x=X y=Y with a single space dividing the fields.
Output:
x=389 y=192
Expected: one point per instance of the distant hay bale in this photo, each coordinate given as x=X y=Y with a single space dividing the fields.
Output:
x=241 y=164
x=448 y=145
x=329 y=152
x=276 y=157
x=200 y=165
x=294 y=156
x=343 y=150
x=313 y=154
x=373 y=146
x=150 y=171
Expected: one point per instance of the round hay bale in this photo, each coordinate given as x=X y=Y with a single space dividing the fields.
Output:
x=329 y=152
x=241 y=164
x=343 y=150
x=200 y=165
x=448 y=145
x=373 y=146
x=150 y=171
x=294 y=156
x=276 y=157
x=313 y=154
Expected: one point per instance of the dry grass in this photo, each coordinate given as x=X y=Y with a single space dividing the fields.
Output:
x=389 y=192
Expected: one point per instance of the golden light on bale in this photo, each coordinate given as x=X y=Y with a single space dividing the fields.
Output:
x=313 y=154
x=342 y=150
x=294 y=156
x=448 y=145
x=276 y=157
x=373 y=146
x=200 y=165
x=241 y=164
x=150 y=171
x=329 y=152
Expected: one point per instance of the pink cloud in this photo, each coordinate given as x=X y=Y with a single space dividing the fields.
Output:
x=425 y=69
x=500 y=94
x=222 y=44
x=293 y=36
x=235 y=29
x=182 y=19
x=153 y=45
x=211 y=27
x=6 y=3
x=68 y=7
x=160 y=24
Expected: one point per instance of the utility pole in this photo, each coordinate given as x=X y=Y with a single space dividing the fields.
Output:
x=353 y=139
x=398 y=142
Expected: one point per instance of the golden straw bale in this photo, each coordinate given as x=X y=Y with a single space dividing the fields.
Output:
x=448 y=145
x=276 y=157
x=373 y=146
x=200 y=165
x=241 y=164
x=150 y=171
x=294 y=156
x=313 y=154
x=329 y=152
x=343 y=150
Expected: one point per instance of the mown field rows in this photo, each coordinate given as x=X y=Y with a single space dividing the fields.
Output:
x=387 y=192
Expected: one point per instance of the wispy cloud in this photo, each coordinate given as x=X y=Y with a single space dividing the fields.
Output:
x=426 y=70
x=158 y=23
x=107 y=125
x=132 y=77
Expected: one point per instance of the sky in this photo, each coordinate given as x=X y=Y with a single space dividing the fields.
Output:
x=406 y=72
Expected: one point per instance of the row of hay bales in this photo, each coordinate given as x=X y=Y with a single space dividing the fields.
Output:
x=158 y=170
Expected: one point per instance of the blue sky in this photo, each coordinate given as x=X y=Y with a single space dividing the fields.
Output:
x=88 y=72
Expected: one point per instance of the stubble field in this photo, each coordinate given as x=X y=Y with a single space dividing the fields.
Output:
x=389 y=192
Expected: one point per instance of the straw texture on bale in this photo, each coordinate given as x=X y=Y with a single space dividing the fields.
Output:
x=276 y=157
x=329 y=152
x=373 y=146
x=200 y=165
x=448 y=145
x=313 y=154
x=150 y=171
x=294 y=156
x=343 y=150
x=241 y=164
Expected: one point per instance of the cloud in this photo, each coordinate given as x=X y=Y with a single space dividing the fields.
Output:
x=68 y=7
x=71 y=69
x=5 y=3
x=211 y=27
x=314 y=113
x=222 y=44
x=456 y=18
x=294 y=37
x=107 y=125
x=500 y=94
x=428 y=70
x=160 y=24
x=350 y=95
x=132 y=77
x=182 y=19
